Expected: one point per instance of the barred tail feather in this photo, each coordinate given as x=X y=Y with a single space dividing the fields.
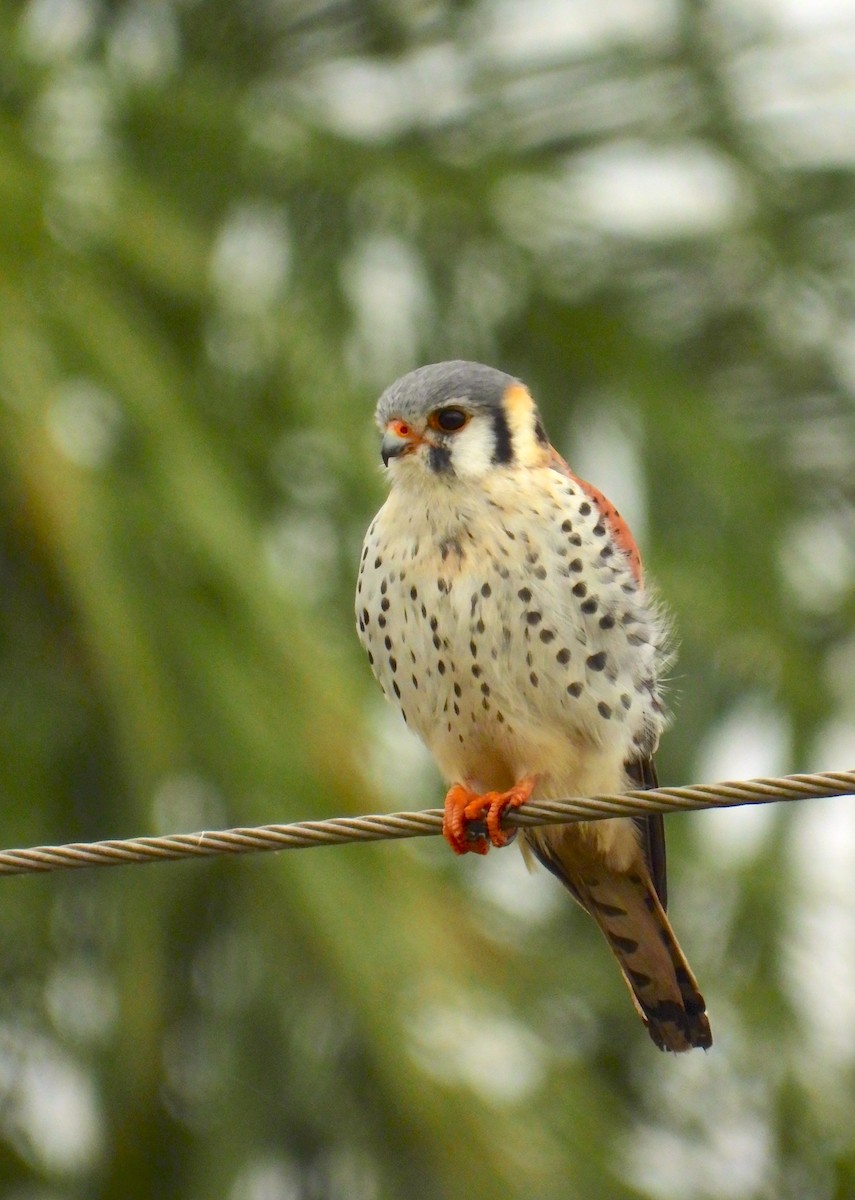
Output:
x=666 y=995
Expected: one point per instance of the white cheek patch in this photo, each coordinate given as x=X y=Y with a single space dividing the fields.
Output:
x=472 y=449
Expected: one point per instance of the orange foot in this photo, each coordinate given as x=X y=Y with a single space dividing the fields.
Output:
x=463 y=805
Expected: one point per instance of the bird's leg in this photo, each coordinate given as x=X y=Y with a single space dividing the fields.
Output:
x=462 y=805
x=496 y=804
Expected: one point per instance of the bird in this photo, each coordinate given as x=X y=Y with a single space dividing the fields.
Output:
x=502 y=604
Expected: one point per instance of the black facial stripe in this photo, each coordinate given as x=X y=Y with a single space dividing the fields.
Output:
x=439 y=459
x=503 y=450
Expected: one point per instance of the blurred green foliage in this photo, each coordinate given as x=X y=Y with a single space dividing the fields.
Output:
x=225 y=225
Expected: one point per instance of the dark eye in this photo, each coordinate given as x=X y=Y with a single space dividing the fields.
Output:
x=449 y=420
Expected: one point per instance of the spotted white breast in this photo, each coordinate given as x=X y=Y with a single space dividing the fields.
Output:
x=509 y=626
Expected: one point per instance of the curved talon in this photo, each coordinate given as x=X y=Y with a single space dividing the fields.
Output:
x=462 y=805
x=454 y=822
x=498 y=836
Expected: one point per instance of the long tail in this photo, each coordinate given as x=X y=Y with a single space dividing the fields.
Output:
x=666 y=995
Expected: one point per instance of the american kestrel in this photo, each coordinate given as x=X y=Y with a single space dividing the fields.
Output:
x=502 y=605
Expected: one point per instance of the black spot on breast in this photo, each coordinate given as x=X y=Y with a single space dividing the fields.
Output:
x=604 y=710
x=387 y=642
x=599 y=529
x=596 y=662
x=540 y=572
x=534 y=618
x=381 y=621
x=524 y=595
x=590 y=605
x=486 y=590
x=575 y=539
x=547 y=635
x=384 y=604
x=485 y=689
x=585 y=508
x=440 y=666
x=574 y=689
x=378 y=562
x=607 y=622
x=580 y=589
x=396 y=689
x=533 y=678
x=576 y=565
x=567 y=526
x=458 y=691
x=393 y=663
x=563 y=656
x=626 y=700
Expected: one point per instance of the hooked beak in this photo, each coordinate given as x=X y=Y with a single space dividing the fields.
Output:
x=399 y=438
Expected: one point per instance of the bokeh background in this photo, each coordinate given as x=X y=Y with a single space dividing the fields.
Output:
x=225 y=226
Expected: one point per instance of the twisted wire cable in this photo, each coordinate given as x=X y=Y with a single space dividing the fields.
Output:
x=390 y=826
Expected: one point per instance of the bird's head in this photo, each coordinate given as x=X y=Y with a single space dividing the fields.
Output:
x=458 y=420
